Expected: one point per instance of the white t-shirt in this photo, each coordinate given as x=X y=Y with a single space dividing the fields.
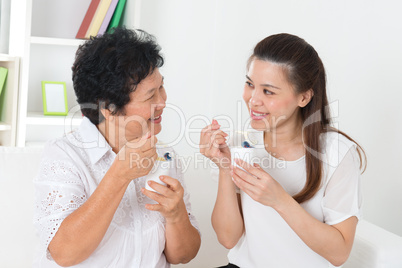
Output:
x=268 y=241
x=71 y=169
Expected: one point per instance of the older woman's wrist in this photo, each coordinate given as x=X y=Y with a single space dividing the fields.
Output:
x=116 y=179
x=180 y=217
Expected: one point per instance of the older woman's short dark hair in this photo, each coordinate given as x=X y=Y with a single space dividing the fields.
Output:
x=109 y=67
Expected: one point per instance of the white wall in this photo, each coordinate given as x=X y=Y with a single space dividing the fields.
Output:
x=206 y=44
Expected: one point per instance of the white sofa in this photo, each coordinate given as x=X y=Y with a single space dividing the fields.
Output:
x=374 y=247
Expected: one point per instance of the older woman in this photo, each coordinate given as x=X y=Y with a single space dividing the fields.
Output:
x=92 y=209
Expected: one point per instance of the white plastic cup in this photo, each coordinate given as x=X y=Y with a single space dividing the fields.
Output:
x=161 y=168
x=246 y=154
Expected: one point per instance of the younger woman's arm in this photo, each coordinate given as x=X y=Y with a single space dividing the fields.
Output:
x=333 y=242
x=227 y=220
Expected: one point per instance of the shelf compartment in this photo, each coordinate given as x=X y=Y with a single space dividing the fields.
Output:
x=38 y=119
x=4 y=127
x=6 y=57
x=9 y=101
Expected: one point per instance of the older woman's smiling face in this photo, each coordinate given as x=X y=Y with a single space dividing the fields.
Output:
x=144 y=111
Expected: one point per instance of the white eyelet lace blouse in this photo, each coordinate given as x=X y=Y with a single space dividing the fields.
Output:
x=70 y=171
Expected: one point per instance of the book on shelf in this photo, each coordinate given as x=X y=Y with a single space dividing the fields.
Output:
x=87 y=19
x=98 y=18
x=108 y=17
x=115 y=21
x=3 y=78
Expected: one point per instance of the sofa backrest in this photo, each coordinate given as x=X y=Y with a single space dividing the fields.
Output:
x=18 y=241
x=374 y=247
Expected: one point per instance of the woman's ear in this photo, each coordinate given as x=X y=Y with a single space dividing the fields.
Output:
x=107 y=114
x=305 y=98
x=108 y=111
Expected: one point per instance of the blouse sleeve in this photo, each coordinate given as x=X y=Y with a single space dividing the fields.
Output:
x=186 y=197
x=58 y=192
x=342 y=196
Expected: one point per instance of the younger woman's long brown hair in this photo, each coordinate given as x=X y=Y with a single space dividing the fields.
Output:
x=304 y=70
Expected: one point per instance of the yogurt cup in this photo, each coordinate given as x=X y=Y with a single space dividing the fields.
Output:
x=248 y=155
x=161 y=168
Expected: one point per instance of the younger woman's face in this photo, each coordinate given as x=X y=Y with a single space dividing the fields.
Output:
x=270 y=98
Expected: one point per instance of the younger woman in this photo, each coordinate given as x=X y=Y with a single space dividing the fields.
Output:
x=301 y=205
